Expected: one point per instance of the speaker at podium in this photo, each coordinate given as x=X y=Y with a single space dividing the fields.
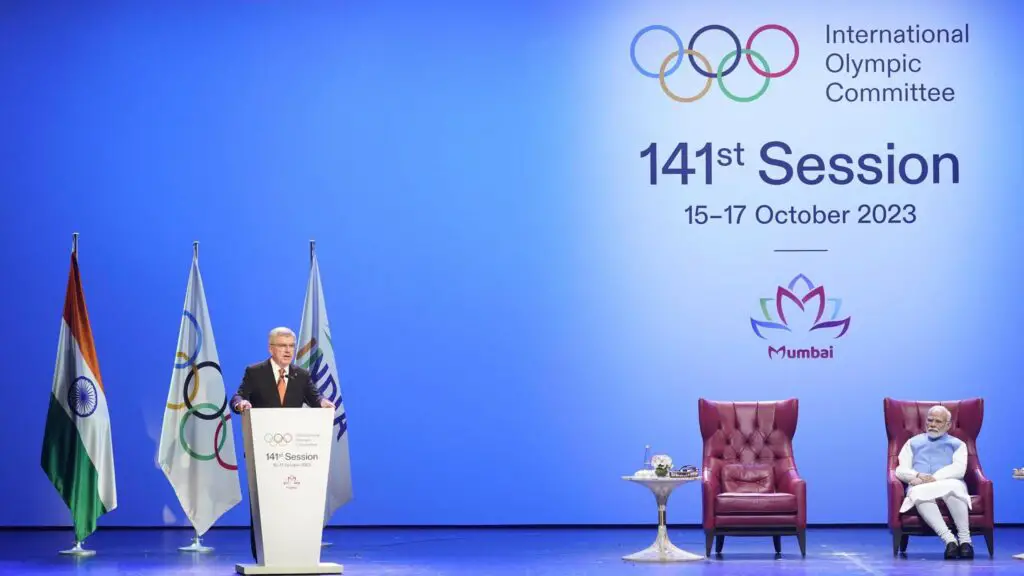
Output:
x=287 y=459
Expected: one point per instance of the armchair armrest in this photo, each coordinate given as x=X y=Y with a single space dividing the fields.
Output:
x=790 y=482
x=897 y=492
x=978 y=484
x=711 y=483
x=976 y=481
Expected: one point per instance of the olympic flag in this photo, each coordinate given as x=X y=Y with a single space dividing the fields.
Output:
x=316 y=354
x=78 y=456
x=197 y=447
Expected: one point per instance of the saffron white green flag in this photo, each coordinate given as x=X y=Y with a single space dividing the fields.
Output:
x=78 y=456
x=316 y=354
x=197 y=446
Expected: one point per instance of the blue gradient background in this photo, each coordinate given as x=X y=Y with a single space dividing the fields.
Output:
x=515 y=312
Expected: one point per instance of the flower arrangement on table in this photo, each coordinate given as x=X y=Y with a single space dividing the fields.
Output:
x=1018 y=473
x=662 y=464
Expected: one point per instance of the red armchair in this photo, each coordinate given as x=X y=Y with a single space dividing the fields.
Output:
x=905 y=419
x=750 y=482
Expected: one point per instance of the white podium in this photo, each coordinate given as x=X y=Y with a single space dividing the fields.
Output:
x=287 y=454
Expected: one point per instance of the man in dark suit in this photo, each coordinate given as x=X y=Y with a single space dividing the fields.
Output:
x=276 y=383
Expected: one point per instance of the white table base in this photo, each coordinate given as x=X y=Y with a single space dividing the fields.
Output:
x=663 y=550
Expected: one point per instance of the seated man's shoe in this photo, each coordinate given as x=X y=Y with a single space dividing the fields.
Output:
x=952 y=551
x=967 y=550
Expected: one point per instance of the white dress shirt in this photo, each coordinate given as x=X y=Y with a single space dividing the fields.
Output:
x=277 y=371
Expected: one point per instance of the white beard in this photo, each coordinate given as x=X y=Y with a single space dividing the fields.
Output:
x=934 y=435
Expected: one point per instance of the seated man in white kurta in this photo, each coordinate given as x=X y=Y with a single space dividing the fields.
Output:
x=933 y=464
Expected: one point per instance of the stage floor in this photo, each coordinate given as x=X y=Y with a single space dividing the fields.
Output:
x=534 y=552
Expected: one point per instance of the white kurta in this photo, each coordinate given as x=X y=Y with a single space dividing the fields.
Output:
x=948 y=479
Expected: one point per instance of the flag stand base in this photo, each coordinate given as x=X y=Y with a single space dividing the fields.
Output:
x=196 y=546
x=78 y=551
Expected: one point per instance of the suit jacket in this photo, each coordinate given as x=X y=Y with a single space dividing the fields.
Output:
x=259 y=387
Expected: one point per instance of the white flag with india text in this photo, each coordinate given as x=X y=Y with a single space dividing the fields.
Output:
x=316 y=354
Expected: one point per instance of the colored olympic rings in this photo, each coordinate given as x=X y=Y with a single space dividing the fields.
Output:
x=199 y=342
x=195 y=390
x=705 y=69
x=218 y=438
x=669 y=92
x=188 y=400
x=220 y=433
x=725 y=90
x=735 y=40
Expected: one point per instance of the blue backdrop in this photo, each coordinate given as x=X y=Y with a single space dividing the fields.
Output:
x=516 y=310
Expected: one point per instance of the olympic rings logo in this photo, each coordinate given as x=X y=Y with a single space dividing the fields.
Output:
x=213 y=412
x=276 y=440
x=705 y=69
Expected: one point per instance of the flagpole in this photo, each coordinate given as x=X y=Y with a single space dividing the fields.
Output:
x=196 y=545
x=197 y=540
x=78 y=549
x=312 y=252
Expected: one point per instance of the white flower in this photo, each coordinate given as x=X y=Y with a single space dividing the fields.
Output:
x=660 y=460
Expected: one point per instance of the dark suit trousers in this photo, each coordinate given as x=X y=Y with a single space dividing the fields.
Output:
x=252 y=535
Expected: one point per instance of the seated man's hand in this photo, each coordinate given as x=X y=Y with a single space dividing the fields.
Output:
x=325 y=403
x=915 y=481
x=926 y=478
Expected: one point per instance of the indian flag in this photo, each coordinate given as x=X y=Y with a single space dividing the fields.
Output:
x=78 y=456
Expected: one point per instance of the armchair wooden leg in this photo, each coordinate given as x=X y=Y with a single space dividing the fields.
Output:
x=801 y=538
x=990 y=542
x=719 y=543
x=904 y=541
x=709 y=538
x=777 y=541
x=897 y=540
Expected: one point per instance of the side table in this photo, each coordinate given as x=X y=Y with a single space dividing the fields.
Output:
x=662 y=550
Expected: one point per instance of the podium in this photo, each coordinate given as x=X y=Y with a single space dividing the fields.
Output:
x=287 y=459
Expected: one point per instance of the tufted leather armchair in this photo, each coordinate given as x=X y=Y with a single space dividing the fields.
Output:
x=750 y=482
x=905 y=419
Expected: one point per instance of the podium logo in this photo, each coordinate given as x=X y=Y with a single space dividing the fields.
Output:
x=291 y=482
x=673 y=61
x=277 y=440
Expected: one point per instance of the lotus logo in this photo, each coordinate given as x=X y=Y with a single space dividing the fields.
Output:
x=800 y=299
x=800 y=306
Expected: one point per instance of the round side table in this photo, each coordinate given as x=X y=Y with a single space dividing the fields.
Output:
x=662 y=550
